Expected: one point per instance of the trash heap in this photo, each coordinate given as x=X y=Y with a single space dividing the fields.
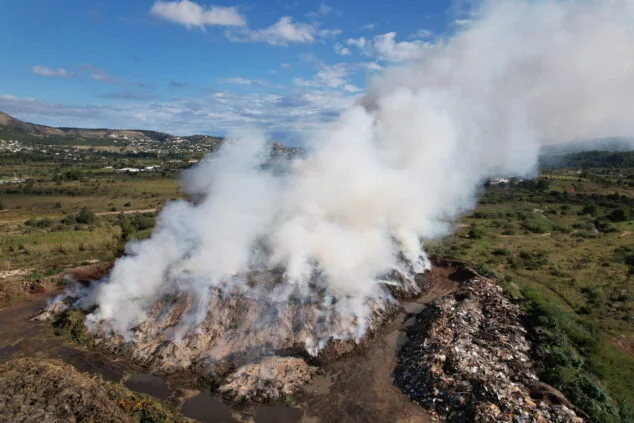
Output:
x=466 y=358
x=242 y=336
x=271 y=379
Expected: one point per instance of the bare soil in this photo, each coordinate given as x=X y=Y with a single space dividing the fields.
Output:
x=16 y=286
x=360 y=387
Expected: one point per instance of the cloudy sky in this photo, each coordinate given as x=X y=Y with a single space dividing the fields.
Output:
x=194 y=66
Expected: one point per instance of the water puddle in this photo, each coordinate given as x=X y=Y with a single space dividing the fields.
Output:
x=148 y=384
x=208 y=409
x=278 y=414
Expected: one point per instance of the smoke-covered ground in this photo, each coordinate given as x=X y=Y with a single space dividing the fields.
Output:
x=331 y=230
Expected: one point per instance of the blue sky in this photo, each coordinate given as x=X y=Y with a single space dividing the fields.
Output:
x=204 y=67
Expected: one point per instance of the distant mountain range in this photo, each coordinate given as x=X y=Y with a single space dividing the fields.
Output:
x=16 y=129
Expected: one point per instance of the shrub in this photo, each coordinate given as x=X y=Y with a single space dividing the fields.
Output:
x=533 y=260
x=85 y=216
x=70 y=325
x=475 y=233
x=618 y=215
x=589 y=209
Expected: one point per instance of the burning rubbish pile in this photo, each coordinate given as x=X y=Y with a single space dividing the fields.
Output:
x=341 y=225
x=248 y=341
x=466 y=358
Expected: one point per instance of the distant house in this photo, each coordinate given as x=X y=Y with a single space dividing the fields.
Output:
x=498 y=181
x=15 y=180
x=128 y=170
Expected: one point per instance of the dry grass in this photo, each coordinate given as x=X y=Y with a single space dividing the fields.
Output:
x=53 y=391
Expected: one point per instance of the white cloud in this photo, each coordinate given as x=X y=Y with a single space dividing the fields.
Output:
x=192 y=14
x=237 y=81
x=388 y=49
x=341 y=50
x=46 y=71
x=385 y=47
x=325 y=33
x=322 y=11
x=99 y=74
x=368 y=27
x=462 y=22
x=329 y=76
x=286 y=65
x=361 y=42
x=423 y=33
x=281 y=33
x=372 y=66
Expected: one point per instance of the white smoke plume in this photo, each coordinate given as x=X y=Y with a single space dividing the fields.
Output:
x=393 y=170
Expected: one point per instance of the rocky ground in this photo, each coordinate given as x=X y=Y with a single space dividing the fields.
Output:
x=466 y=358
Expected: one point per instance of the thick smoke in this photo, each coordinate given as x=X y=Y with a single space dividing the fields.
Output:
x=393 y=170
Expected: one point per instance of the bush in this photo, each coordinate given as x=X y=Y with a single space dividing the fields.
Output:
x=618 y=215
x=85 y=216
x=533 y=260
x=41 y=223
x=501 y=252
x=589 y=209
x=70 y=325
x=475 y=233
x=604 y=225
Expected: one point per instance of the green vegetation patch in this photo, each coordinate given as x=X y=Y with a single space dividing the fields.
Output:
x=71 y=325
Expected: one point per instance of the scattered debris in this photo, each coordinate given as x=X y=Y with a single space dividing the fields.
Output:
x=466 y=358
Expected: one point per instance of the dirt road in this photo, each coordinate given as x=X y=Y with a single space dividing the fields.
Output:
x=126 y=212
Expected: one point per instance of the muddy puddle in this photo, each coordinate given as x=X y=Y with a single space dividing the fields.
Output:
x=356 y=388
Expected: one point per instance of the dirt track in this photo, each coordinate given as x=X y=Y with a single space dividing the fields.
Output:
x=621 y=344
x=360 y=387
x=110 y=213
